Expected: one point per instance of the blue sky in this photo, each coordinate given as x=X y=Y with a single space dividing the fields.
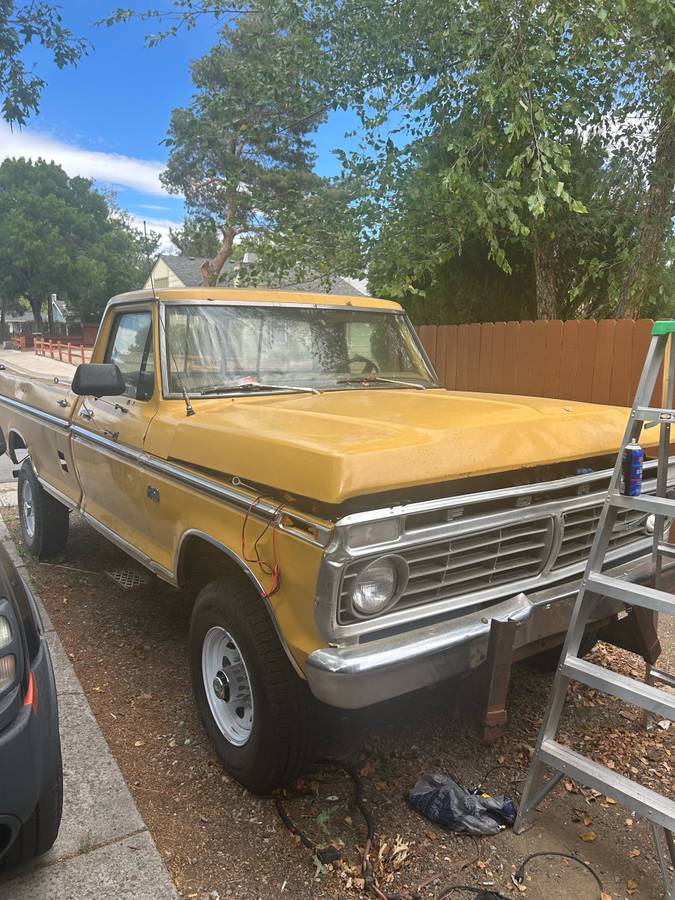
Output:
x=106 y=118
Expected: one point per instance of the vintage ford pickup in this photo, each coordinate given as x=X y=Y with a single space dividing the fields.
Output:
x=356 y=531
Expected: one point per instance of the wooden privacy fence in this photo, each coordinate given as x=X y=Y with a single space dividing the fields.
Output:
x=599 y=362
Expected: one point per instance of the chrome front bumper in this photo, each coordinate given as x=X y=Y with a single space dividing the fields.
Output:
x=358 y=675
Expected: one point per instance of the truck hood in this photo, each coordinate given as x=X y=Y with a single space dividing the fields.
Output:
x=338 y=445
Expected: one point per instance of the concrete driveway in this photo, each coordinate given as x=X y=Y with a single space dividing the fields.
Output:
x=104 y=849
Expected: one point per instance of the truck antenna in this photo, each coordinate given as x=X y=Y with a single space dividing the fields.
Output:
x=189 y=409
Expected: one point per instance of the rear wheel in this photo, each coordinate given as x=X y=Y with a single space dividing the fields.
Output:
x=44 y=521
x=254 y=706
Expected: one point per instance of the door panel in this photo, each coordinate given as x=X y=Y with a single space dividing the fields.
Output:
x=108 y=433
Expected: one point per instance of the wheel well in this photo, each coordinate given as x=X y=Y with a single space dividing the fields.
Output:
x=202 y=560
x=16 y=442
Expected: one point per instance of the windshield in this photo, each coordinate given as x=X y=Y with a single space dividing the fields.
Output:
x=221 y=348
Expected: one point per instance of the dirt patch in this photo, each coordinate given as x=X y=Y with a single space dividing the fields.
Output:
x=129 y=651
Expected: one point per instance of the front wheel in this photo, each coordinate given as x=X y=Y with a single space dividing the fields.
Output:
x=44 y=521
x=254 y=706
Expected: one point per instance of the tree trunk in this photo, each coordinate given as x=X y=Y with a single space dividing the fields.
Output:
x=544 y=269
x=3 y=319
x=36 y=307
x=656 y=220
x=211 y=269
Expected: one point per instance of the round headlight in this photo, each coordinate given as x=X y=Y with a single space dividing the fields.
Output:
x=650 y=524
x=378 y=584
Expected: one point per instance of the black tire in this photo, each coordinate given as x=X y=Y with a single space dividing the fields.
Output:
x=49 y=532
x=39 y=832
x=280 y=743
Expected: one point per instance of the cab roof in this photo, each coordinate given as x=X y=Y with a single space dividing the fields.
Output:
x=249 y=295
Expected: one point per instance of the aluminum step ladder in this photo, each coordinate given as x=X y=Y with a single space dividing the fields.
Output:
x=549 y=753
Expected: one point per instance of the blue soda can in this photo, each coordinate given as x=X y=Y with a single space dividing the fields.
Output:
x=631 y=469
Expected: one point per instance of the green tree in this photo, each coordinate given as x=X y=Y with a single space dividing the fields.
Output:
x=196 y=238
x=239 y=153
x=498 y=99
x=57 y=234
x=21 y=24
x=504 y=88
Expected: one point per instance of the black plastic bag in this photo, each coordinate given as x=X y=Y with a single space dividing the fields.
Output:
x=447 y=803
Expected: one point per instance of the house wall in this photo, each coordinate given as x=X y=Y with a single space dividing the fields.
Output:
x=163 y=277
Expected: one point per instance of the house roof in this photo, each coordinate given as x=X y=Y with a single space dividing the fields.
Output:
x=314 y=285
x=187 y=268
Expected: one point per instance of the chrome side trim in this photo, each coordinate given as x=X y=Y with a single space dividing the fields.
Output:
x=128 y=548
x=35 y=412
x=58 y=495
x=195 y=532
x=263 y=509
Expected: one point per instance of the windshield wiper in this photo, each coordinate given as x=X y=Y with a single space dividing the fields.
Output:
x=369 y=379
x=258 y=386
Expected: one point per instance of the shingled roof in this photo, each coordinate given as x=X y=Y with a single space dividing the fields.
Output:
x=189 y=270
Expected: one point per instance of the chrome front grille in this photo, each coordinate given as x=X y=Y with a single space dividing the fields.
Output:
x=485 y=558
x=580 y=525
x=467 y=563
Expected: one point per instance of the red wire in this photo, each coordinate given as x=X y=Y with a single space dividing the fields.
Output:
x=271 y=570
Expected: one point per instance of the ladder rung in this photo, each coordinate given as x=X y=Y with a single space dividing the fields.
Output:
x=630 y=593
x=654 y=414
x=663 y=677
x=643 y=695
x=634 y=796
x=666 y=549
x=660 y=506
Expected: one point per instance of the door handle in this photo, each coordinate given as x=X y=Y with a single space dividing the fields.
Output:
x=86 y=413
x=62 y=403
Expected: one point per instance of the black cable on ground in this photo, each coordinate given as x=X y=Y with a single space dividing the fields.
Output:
x=481 y=892
x=329 y=854
x=519 y=875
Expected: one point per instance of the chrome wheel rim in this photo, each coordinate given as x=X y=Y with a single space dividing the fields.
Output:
x=227 y=686
x=27 y=509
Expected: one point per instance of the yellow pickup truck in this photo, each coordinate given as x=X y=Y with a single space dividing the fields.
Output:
x=355 y=530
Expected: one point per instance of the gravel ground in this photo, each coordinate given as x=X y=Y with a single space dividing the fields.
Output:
x=129 y=651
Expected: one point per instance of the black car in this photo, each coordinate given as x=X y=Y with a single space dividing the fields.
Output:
x=31 y=774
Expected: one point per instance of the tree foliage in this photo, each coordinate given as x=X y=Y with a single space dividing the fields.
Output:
x=59 y=235
x=23 y=23
x=196 y=238
x=240 y=153
x=541 y=130
x=499 y=94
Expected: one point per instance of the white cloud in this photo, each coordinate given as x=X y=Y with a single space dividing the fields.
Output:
x=108 y=168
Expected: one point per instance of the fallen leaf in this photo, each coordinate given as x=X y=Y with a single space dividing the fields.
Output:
x=588 y=836
x=629 y=822
x=634 y=853
x=632 y=884
x=139 y=743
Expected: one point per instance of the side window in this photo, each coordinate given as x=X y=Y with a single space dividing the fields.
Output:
x=130 y=348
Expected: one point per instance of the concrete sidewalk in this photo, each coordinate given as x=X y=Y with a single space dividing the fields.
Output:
x=29 y=363
x=104 y=849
